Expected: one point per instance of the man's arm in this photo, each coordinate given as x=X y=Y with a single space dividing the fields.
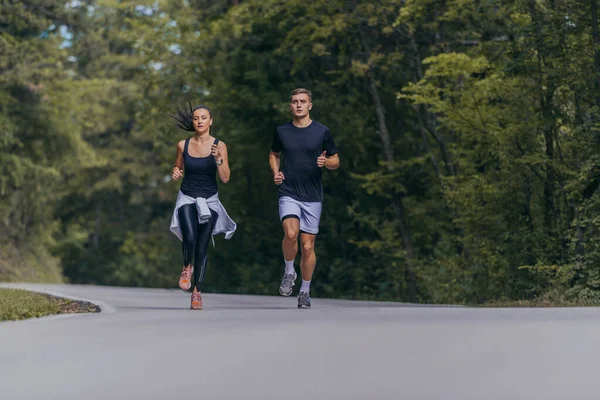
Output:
x=332 y=162
x=274 y=162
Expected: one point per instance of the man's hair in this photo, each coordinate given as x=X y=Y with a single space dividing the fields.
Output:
x=300 y=91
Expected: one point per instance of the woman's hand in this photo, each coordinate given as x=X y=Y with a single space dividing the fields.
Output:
x=177 y=173
x=219 y=152
x=214 y=150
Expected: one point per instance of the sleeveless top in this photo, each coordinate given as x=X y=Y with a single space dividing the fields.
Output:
x=199 y=179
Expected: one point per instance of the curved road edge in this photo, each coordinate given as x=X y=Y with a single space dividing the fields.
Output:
x=105 y=308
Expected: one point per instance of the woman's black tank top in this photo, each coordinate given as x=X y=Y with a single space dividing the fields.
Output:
x=199 y=179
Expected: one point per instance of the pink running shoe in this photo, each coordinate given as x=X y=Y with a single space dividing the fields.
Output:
x=196 y=301
x=185 y=280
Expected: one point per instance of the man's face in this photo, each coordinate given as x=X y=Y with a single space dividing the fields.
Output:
x=300 y=105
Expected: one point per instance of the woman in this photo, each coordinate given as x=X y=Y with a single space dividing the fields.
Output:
x=199 y=214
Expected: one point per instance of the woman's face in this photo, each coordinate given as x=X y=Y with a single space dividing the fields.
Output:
x=202 y=120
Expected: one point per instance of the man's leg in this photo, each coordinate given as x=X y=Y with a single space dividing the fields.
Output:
x=289 y=245
x=289 y=213
x=308 y=260
x=307 y=267
x=309 y=226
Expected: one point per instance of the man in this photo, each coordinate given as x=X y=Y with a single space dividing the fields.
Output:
x=307 y=146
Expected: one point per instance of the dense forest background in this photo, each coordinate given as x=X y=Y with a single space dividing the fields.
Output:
x=469 y=134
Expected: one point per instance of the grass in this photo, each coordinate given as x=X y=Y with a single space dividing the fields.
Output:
x=552 y=298
x=18 y=304
x=541 y=303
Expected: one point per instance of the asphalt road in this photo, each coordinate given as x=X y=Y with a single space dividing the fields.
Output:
x=147 y=344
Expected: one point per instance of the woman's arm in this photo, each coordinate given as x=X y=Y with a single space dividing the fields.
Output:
x=219 y=151
x=178 y=167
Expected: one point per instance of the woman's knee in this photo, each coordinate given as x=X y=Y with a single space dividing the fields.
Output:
x=189 y=243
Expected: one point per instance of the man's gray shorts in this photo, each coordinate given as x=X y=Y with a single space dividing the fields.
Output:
x=309 y=213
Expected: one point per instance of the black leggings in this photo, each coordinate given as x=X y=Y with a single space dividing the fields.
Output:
x=195 y=239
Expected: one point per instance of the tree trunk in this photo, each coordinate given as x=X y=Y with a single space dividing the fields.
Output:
x=384 y=133
x=427 y=121
x=388 y=153
x=546 y=88
x=596 y=36
x=98 y=221
x=424 y=136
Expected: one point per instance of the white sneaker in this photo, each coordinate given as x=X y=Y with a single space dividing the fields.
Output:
x=287 y=284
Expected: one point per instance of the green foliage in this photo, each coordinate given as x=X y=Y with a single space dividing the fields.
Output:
x=468 y=134
x=38 y=144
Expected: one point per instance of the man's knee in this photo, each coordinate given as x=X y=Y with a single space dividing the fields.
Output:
x=307 y=247
x=291 y=234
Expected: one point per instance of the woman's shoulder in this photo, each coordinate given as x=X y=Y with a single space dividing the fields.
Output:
x=221 y=143
x=181 y=143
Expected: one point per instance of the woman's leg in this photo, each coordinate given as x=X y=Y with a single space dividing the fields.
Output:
x=188 y=224
x=203 y=238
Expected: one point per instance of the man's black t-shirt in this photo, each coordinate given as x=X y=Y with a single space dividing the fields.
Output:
x=300 y=148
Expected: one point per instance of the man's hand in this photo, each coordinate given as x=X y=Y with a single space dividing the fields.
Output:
x=322 y=160
x=278 y=178
x=177 y=173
